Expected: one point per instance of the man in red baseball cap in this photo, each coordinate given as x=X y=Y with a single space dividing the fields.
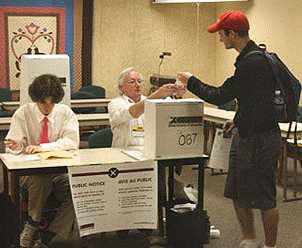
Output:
x=256 y=145
x=233 y=20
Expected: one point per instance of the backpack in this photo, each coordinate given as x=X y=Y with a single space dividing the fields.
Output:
x=288 y=88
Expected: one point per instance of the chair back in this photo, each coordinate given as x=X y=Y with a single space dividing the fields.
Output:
x=5 y=95
x=299 y=116
x=229 y=106
x=101 y=138
x=97 y=91
x=82 y=95
x=89 y=92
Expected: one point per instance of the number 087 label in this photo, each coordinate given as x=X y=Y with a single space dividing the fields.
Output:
x=187 y=139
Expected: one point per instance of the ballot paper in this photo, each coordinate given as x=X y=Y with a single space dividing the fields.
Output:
x=37 y=156
x=20 y=157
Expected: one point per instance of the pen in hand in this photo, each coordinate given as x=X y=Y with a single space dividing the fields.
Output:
x=12 y=144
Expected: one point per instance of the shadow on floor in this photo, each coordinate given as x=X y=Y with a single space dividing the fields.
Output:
x=134 y=239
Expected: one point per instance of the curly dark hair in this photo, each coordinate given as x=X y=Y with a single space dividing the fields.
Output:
x=46 y=85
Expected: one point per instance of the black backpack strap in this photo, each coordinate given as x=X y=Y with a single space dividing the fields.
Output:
x=254 y=52
x=271 y=62
x=261 y=46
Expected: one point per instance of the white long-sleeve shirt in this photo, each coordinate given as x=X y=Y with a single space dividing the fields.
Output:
x=63 y=127
x=123 y=124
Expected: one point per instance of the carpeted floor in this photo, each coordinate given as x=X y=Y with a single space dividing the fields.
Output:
x=222 y=216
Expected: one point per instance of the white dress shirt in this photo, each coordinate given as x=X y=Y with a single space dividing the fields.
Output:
x=122 y=123
x=63 y=127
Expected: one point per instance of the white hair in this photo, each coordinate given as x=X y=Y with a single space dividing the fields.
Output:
x=122 y=76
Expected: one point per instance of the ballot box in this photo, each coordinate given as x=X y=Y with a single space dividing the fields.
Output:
x=174 y=129
x=35 y=65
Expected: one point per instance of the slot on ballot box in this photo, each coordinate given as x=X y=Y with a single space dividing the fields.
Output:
x=174 y=129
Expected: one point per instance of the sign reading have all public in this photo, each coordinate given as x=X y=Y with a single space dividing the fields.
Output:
x=174 y=129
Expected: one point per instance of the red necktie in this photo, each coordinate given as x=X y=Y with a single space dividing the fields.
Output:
x=44 y=135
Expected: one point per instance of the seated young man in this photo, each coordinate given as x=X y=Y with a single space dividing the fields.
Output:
x=40 y=126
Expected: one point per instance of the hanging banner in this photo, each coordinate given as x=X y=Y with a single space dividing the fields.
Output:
x=112 y=197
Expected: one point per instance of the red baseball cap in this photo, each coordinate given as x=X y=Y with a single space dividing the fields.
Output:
x=233 y=20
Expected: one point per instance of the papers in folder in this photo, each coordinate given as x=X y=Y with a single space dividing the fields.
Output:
x=54 y=154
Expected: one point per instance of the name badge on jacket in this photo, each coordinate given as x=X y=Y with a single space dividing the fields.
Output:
x=138 y=131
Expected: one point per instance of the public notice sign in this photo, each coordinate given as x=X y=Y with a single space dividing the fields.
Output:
x=114 y=196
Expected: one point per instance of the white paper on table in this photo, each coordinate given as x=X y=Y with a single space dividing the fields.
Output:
x=219 y=158
x=138 y=155
x=20 y=157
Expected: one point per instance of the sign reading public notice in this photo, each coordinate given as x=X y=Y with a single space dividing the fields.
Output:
x=114 y=196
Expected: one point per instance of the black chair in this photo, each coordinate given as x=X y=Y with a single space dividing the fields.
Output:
x=299 y=117
x=89 y=92
x=82 y=95
x=229 y=106
x=97 y=91
x=6 y=113
x=5 y=96
x=100 y=139
x=290 y=152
